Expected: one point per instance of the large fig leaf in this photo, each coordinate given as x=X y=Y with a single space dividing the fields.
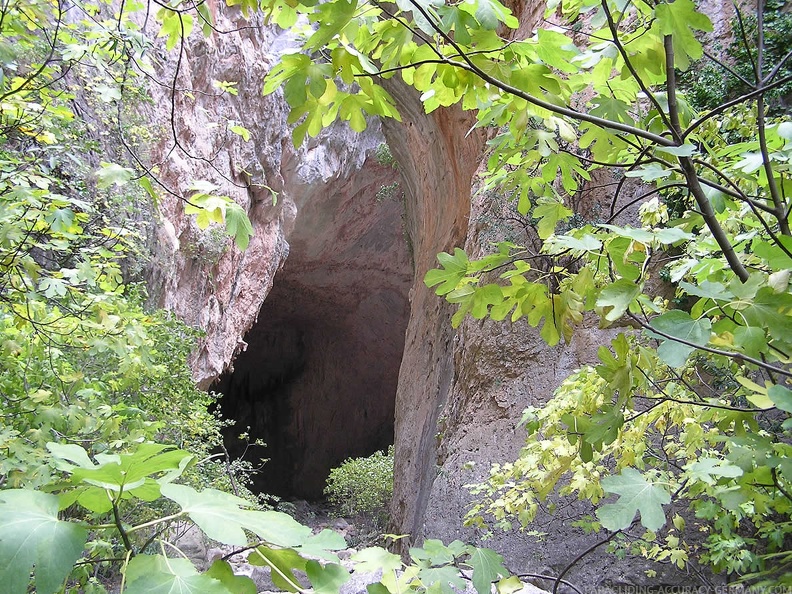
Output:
x=222 y=517
x=32 y=538
x=487 y=568
x=636 y=494
x=155 y=574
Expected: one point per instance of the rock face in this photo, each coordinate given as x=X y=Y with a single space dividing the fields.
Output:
x=199 y=274
x=461 y=392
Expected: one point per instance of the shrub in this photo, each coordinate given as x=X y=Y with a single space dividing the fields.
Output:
x=384 y=155
x=363 y=486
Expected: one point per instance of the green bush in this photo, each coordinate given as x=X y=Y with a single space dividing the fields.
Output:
x=363 y=486
x=384 y=155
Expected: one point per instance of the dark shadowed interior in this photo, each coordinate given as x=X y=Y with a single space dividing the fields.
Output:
x=318 y=379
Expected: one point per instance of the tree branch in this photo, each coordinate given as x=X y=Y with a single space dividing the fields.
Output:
x=511 y=90
x=731 y=355
x=649 y=95
x=689 y=170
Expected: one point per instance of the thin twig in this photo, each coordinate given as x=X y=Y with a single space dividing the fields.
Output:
x=732 y=355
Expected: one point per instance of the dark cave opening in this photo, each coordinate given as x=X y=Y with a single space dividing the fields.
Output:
x=318 y=379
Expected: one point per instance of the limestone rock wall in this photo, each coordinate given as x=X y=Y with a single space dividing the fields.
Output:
x=199 y=274
x=305 y=328
x=318 y=380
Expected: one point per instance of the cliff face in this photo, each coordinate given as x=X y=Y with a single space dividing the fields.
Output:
x=319 y=375
x=199 y=274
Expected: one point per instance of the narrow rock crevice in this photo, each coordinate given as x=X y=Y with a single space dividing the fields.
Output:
x=317 y=381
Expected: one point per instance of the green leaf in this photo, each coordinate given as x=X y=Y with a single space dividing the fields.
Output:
x=33 y=539
x=758 y=396
x=332 y=18
x=639 y=235
x=238 y=225
x=650 y=172
x=772 y=253
x=772 y=311
x=549 y=214
x=238 y=584
x=112 y=174
x=616 y=298
x=443 y=577
x=684 y=150
x=222 y=517
x=679 y=19
x=240 y=131
x=476 y=300
x=487 y=567
x=559 y=243
x=751 y=162
x=155 y=574
x=716 y=198
x=704 y=469
x=206 y=18
x=283 y=562
x=421 y=21
x=509 y=585
x=454 y=268
x=145 y=183
x=707 y=289
x=636 y=494
x=785 y=130
x=669 y=235
x=208 y=207
x=374 y=558
x=781 y=397
x=117 y=476
x=69 y=452
x=128 y=471
x=107 y=94
x=434 y=552
x=679 y=324
x=610 y=108
x=351 y=110
x=319 y=545
x=556 y=50
x=603 y=427
x=457 y=20
x=62 y=220
x=327 y=579
x=751 y=340
x=490 y=13
x=53 y=287
x=176 y=26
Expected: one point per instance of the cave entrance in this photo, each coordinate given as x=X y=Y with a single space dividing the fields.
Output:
x=318 y=379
